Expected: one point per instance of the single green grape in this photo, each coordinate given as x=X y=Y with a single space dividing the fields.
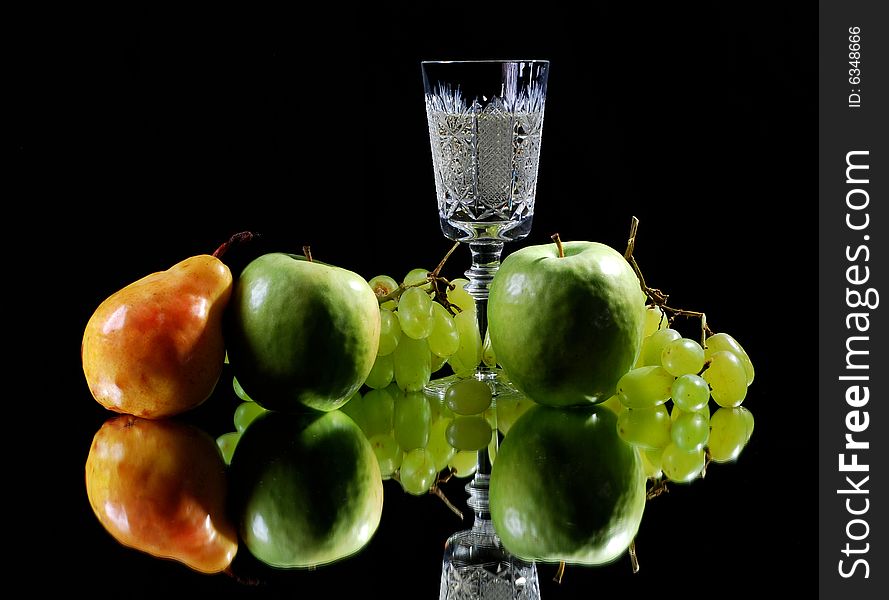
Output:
x=411 y=420
x=437 y=362
x=690 y=393
x=415 y=314
x=460 y=298
x=510 y=408
x=645 y=387
x=647 y=428
x=444 y=339
x=382 y=373
x=727 y=379
x=417 y=473
x=468 y=433
x=748 y=416
x=653 y=346
x=464 y=463
x=690 y=431
x=439 y=447
x=682 y=466
x=468 y=396
x=227 y=443
x=390 y=332
x=488 y=356
x=412 y=364
x=440 y=410
x=682 y=357
x=466 y=359
x=490 y=415
x=382 y=285
x=723 y=341
x=245 y=414
x=655 y=319
x=378 y=410
x=651 y=462
x=613 y=404
x=388 y=452
x=730 y=430
x=678 y=412
x=416 y=277
x=239 y=391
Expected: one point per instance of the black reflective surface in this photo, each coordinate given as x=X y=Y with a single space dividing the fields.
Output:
x=164 y=133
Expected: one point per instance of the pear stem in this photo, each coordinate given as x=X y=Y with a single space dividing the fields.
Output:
x=235 y=240
x=555 y=237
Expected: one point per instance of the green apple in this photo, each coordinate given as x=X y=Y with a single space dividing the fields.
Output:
x=306 y=488
x=301 y=332
x=566 y=328
x=566 y=488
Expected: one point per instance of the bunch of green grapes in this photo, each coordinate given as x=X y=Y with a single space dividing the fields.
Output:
x=663 y=404
x=417 y=436
x=419 y=335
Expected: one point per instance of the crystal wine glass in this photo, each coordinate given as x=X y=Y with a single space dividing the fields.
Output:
x=485 y=123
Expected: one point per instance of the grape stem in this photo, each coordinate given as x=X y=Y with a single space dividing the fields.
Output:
x=659 y=487
x=440 y=285
x=659 y=298
x=707 y=459
x=436 y=491
x=235 y=240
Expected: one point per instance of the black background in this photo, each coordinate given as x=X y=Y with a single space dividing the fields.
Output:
x=145 y=138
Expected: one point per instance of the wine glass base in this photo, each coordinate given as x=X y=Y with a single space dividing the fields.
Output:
x=501 y=386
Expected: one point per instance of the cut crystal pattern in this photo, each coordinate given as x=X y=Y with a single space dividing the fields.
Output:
x=502 y=581
x=485 y=156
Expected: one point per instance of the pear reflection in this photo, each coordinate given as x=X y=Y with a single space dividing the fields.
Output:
x=160 y=487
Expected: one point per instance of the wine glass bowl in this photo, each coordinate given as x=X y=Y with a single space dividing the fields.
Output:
x=485 y=123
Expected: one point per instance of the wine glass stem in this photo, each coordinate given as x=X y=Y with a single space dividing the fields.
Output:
x=485 y=262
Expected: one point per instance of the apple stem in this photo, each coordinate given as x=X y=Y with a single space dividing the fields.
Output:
x=307 y=252
x=555 y=237
x=560 y=572
x=634 y=560
x=235 y=240
x=657 y=297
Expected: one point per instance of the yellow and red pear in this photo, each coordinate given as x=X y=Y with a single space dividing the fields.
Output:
x=155 y=348
x=160 y=487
